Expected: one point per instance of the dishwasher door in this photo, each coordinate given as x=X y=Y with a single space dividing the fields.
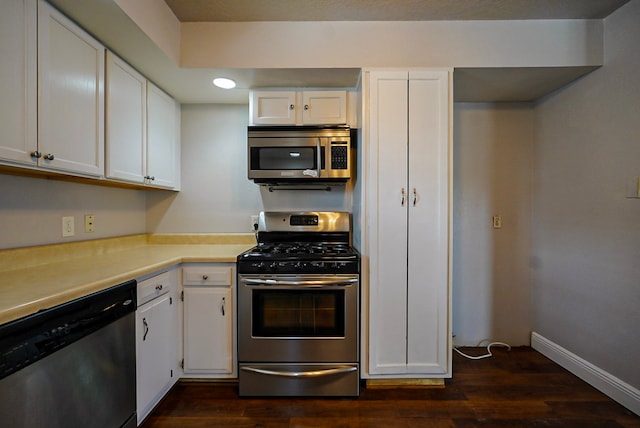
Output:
x=85 y=382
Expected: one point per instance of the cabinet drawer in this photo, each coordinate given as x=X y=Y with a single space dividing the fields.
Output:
x=207 y=275
x=153 y=287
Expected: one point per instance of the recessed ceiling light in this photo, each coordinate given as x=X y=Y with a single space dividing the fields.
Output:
x=224 y=83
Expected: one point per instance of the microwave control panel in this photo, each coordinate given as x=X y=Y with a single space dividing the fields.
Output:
x=339 y=155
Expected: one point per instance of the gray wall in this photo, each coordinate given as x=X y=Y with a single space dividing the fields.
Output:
x=586 y=246
x=216 y=195
x=31 y=210
x=492 y=175
x=583 y=284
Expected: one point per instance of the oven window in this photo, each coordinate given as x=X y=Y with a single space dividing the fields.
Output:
x=298 y=313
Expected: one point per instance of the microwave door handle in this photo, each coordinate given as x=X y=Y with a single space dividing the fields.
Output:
x=319 y=157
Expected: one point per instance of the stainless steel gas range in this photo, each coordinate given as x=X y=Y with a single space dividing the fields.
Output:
x=298 y=307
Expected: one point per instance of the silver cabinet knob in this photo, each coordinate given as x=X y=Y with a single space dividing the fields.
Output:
x=291 y=106
x=306 y=106
x=36 y=154
x=49 y=156
x=205 y=277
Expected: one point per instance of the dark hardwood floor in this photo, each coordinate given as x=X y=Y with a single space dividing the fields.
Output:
x=517 y=388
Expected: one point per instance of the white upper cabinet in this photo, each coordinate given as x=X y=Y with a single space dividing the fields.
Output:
x=163 y=139
x=324 y=107
x=18 y=50
x=142 y=125
x=298 y=108
x=408 y=206
x=126 y=119
x=71 y=96
x=273 y=107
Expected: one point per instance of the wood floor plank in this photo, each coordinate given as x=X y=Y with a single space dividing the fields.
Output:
x=517 y=388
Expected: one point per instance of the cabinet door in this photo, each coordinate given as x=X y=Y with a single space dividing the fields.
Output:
x=428 y=237
x=126 y=121
x=163 y=142
x=71 y=102
x=324 y=107
x=273 y=107
x=154 y=338
x=18 y=80
x=208 y=335
x=388 y=201
x=409 y=178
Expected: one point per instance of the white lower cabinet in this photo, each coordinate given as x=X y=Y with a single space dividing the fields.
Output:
x=209 y=321
x=156 y=341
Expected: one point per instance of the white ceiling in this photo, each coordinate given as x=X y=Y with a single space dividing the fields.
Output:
x=388 y=10
x=101 y=17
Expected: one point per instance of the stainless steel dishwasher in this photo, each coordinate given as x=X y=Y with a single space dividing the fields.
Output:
x=72 y=365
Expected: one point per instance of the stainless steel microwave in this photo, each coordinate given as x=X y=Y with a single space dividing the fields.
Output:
x=304 y=154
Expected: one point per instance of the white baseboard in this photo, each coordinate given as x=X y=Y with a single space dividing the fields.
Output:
x=606 y=383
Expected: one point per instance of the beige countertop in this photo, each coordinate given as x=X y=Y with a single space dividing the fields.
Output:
x=40 y=277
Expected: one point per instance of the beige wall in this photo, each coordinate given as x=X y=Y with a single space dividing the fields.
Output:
x=492 y=170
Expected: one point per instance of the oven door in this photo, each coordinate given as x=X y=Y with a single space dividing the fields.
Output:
x=298 y=319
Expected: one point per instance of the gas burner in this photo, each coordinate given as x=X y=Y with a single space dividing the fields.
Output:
x=299 y=248
x=284 y=246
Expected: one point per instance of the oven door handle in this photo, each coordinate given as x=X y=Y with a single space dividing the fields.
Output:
x=305 y=283
x=305 y=374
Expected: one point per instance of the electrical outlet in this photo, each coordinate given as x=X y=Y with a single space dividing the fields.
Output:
x=68 y=228
x=89 y=223
x=497 y=222
x=254 y=223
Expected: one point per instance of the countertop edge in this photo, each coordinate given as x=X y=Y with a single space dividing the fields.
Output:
x=81 y=280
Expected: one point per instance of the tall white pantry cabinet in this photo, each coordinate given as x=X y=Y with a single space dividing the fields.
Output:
x=407 y=193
